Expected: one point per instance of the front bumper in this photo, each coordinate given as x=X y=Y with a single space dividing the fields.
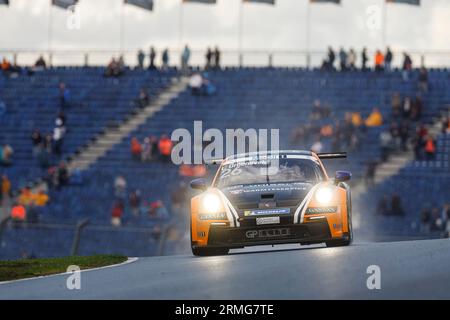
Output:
x=306 y=233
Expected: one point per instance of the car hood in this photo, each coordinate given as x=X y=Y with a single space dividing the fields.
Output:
x=264 y=196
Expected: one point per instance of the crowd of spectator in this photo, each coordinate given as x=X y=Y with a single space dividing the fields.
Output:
x=152 y=149
x=154 y=209
x=28 y=205
x=436 y=219
x=381 y=61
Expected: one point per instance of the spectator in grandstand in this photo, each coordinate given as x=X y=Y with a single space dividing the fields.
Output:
x=135 y=202
x=143 y=100
x=192 y=171
x=64 y=96
x=423 y=80
x=165 y=59
x=396 y=105
x=404 y=135
x=6 y=153
x=416 y=109
x=36 y=140
x=331 y=59
x=40 y=64
x=44 y=151
x=120 y=187
x=351 y=59
x=396 y=205
x=152 y=57
x=430 y=148
x=140 y=59
x=369 y=178
x=158 y=210
x=379 y=61
x=18 y=214
x=375 y=119
x=112 y=69
x=117 y=213
x=316 y=110
x=388 y=59
x=154 y=147
x=58 y=137
x=446 y=219
x=41 y=198
x=395 y=134
x=146 y=150
x=196 y=83
x=445 y=126
x=406 y=108
x=165 y=148
x=425 y=220
x=62 y=117
x=5 y=66
x=185 y=56
x=136 y=149
x=208 y=57
x=26 y=197
x=343 y=59
x=407 y=66
x=364 y=59
x=63 y=176
x=217 y=55
x=386 y=143
x=436 y=222
x=5 y=191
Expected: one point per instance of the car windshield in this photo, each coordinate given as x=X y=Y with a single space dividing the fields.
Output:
x=267 y=171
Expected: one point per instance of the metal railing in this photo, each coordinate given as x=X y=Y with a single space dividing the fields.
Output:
x=229 y=57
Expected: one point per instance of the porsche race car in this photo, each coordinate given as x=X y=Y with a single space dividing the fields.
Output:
x=271 y=198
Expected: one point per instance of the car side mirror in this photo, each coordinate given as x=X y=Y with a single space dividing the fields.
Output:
x=342 y=176
x=199 y=184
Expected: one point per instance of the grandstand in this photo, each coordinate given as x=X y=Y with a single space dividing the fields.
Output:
x=246 y=98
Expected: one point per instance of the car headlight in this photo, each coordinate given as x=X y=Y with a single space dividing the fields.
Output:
x=324 y=195
x=211 y=203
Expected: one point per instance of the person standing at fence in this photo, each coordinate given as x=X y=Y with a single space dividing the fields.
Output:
x=141 y=58
x=217 y=57
x=364 y=59
x=388 y=60
x=185 y=56
x=152 y=57
x=165 y=59
x=208 y=56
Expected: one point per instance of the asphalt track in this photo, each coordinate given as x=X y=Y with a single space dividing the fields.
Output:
x=409 y=270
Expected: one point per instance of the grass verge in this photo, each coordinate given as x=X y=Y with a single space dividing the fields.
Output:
x=27 y=268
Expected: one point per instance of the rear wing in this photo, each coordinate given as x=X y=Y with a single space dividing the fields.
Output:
x=335 y=155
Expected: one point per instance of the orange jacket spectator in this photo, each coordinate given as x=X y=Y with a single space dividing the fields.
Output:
x=165 y=146
x=5 y=186
x=5 y=65
x=430 y=146
x=136 y=147
x=356 y=119
x=40 y=199
x=326 y=131
x=379 y=59
x=192 y=171
x=18 y=213
x=26 y=197
x=375 y=119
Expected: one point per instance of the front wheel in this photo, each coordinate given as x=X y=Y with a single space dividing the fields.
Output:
x=204 y=252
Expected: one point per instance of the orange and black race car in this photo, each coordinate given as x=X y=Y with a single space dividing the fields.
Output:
x=270 y=198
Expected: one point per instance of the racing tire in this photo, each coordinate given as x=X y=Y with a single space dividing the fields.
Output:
x=204 y=252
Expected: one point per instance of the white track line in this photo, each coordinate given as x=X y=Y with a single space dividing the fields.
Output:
x=129 y=260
